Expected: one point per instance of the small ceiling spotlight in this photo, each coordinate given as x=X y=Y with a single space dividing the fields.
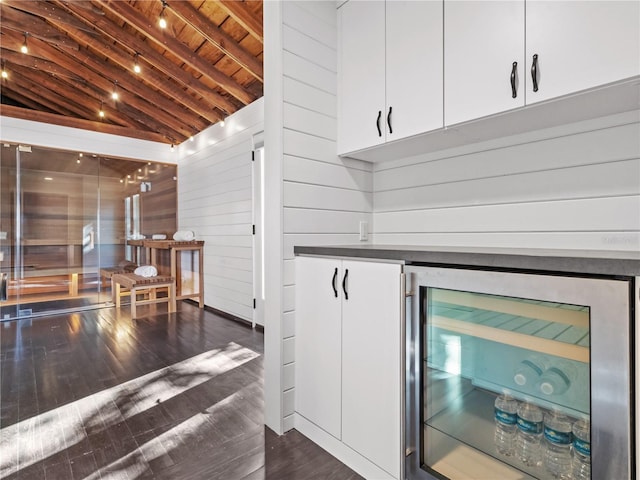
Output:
x=172 y=148
x=163 y=21
x=222 y=122
x=114 y=94
x=136 y=65
x=24 y=48
x=101 y=112
x=4 y=74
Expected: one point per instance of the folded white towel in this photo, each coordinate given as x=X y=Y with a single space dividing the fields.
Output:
x=146 y=271
x=158 y=236
x=184 y=236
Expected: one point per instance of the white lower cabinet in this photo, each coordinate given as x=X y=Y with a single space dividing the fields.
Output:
x=348 y=365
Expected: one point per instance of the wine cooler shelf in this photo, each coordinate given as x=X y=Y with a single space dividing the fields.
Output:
x=560 y=330
x=460 y=441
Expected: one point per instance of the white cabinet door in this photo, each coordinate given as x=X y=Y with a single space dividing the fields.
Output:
x=413 y=67
x=371 y=362
x=581 y=44
x=361 y=102
x=318 y=343
x=482 y=40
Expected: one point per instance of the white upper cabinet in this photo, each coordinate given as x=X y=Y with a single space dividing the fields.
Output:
x=409 y=68
x=414 y=67
x=361 y=73
x=571 y=46
x=390 y=71
x=482 y=41
x=580 y=45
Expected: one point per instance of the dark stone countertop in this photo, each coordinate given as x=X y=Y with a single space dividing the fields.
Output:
x=594 y=262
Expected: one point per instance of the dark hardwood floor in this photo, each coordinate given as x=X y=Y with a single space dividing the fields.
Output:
x=97 y=395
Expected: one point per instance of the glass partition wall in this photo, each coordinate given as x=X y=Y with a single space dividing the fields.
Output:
x=63 y=219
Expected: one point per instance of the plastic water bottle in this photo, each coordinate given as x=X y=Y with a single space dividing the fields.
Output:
x=529 y=436
x=528 y=371
x=582 y=450
x=505 y=414
x=557 y=379
x=558 y=439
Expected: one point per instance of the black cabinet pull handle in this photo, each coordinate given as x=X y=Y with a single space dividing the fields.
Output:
x=333 y=282
x=378 y=123
x=389 y=120
x=344 y=284
x=514 y=69
x=534 y=72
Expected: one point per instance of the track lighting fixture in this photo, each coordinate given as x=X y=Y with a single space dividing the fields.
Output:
x=114 y=94
x=24 y=48
x=163 y=21
x=136 y=65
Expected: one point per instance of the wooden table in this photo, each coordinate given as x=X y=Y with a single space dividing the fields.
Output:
x=136 y=254
x=175 y=247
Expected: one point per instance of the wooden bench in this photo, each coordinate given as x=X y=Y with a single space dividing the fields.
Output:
x=136 y=283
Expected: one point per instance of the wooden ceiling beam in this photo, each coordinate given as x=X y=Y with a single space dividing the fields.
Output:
x=59 y=17
x=35 y=27
x=80 y=64
x=85 y=105
x=30 y=99
x=9 y=91
x=43 y=117
x=154 y=59
x=135 y=19
x=30 y=61
x=53 y=100
x=189 y=15
x=79 y=97
x=241 y=14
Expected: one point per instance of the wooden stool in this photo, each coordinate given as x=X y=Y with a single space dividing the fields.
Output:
x=135 y=283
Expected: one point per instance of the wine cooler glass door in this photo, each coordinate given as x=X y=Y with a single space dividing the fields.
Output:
x=518 y=376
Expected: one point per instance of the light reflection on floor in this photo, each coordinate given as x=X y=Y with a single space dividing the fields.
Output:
x=37 y=438
x=133 y=466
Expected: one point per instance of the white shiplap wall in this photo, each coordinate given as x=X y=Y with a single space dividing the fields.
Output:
x=575 y=186
x=324 y=197
x=215 y=201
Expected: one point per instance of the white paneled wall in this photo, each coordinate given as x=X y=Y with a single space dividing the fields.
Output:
x=324 y=197
x=215 y=201
x=576 y=186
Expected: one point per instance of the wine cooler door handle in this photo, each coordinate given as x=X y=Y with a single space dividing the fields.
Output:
x=333 y=282
x=378 y=123
x=534 y=72
x=514 y=70
x=389 y=120
x=344 y=284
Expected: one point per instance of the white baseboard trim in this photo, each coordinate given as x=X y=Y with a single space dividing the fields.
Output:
x=342 y=452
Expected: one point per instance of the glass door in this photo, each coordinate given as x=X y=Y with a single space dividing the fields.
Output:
x=515 y=376
x=63 y=226
x=54 y=232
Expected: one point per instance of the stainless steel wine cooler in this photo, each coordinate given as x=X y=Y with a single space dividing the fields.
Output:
x=505 y=372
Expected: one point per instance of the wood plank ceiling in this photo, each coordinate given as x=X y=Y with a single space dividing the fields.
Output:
x=205 y=65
